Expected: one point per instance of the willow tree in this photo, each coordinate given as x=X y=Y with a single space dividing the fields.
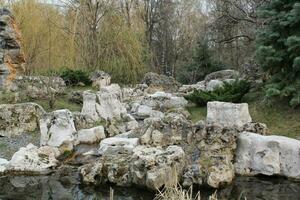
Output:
x=44 y=41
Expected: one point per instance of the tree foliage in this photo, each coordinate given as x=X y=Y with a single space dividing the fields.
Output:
x=278 y=49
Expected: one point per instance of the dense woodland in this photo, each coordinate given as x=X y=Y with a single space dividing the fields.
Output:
x=186 y=39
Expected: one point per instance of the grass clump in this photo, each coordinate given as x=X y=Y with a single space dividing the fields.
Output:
x=229 y=92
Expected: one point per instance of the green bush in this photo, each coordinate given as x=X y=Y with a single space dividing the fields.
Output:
x=229 y=92
x=73 y=77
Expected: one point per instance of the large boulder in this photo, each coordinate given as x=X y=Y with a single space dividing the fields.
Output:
x=147 y=167
x=210 y=151
x=12 y=59
x=164 y=101
x=267 y=155
x=100 y=79
x=90 y=136
x=158 y=82
x=105 y=104
x=58 y=129
x=155 y=167
x=32 y=159
x=222 y=75
x=38 y=87
x=3 y=165
x=117 y=145
x=16 y=119
x=228 y=114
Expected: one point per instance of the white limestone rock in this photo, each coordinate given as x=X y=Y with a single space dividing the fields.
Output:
x=267 y=155
x=3 y=165
x=153 y=167
x=165 y=101
x=143 y=112
x=58 y=129
x=33 y=160
x=17 y=119
x=90 y=136
x=105 y=104
x=228 y=114
x=117 y=145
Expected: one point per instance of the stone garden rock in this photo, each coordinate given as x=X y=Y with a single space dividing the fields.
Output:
x=17 y=119
x=105 y=104
x=164 y=101
x=267 y=155
x=38 y=87
x=32 y=159
x=90 y=136
x=155 y=167
x=228 y=114
x=58 y=129
x=3 y=165
x=158 y=82
x=222 y=75
x=148 y=167
x=12 y=59
x=116 y=145
x=100 y=79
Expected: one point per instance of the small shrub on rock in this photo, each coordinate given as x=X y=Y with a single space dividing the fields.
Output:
x=74 y=77
x=229 y=92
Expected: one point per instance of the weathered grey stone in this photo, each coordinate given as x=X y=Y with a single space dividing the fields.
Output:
x=33 y=160
x=222 y=75
x=116 y=145
x=16 y=119
x=58 y=129
x=12 y=59
x=228 y=114
x=90 y=136
x=100 y=79
x=155 y=167
x=160 y=82
x=143 y=112
x=213 y=84
x=105 y=104
x=268 y=155
x=3 y=165
x=38 y=87
x=163 y=101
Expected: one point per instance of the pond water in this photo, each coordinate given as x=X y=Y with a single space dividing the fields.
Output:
x=65 y=188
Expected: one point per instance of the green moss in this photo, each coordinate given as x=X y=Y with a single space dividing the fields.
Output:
x=60 y=103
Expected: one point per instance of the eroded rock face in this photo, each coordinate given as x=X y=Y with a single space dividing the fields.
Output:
x=148 y=167
x=32 y=159
x=268 y=155
x=105 y=104
x=100 y=79
x=58 y=129
x=164 y=101
x=12 y=59
x=116 y=145
x=90 y=136
x=38 y=87
x=3 y=165
x=155 y=167
x=222 y=75
x=158 y=82
x=16 y=119
x=228 y=114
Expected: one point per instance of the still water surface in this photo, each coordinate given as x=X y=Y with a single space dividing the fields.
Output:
x=69 y=187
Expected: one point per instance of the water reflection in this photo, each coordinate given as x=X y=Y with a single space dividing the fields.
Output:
x=68 y=187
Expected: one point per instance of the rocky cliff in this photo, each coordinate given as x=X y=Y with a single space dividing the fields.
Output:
x=12 y=59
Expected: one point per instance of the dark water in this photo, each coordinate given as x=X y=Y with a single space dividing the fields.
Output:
x=65 y=188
